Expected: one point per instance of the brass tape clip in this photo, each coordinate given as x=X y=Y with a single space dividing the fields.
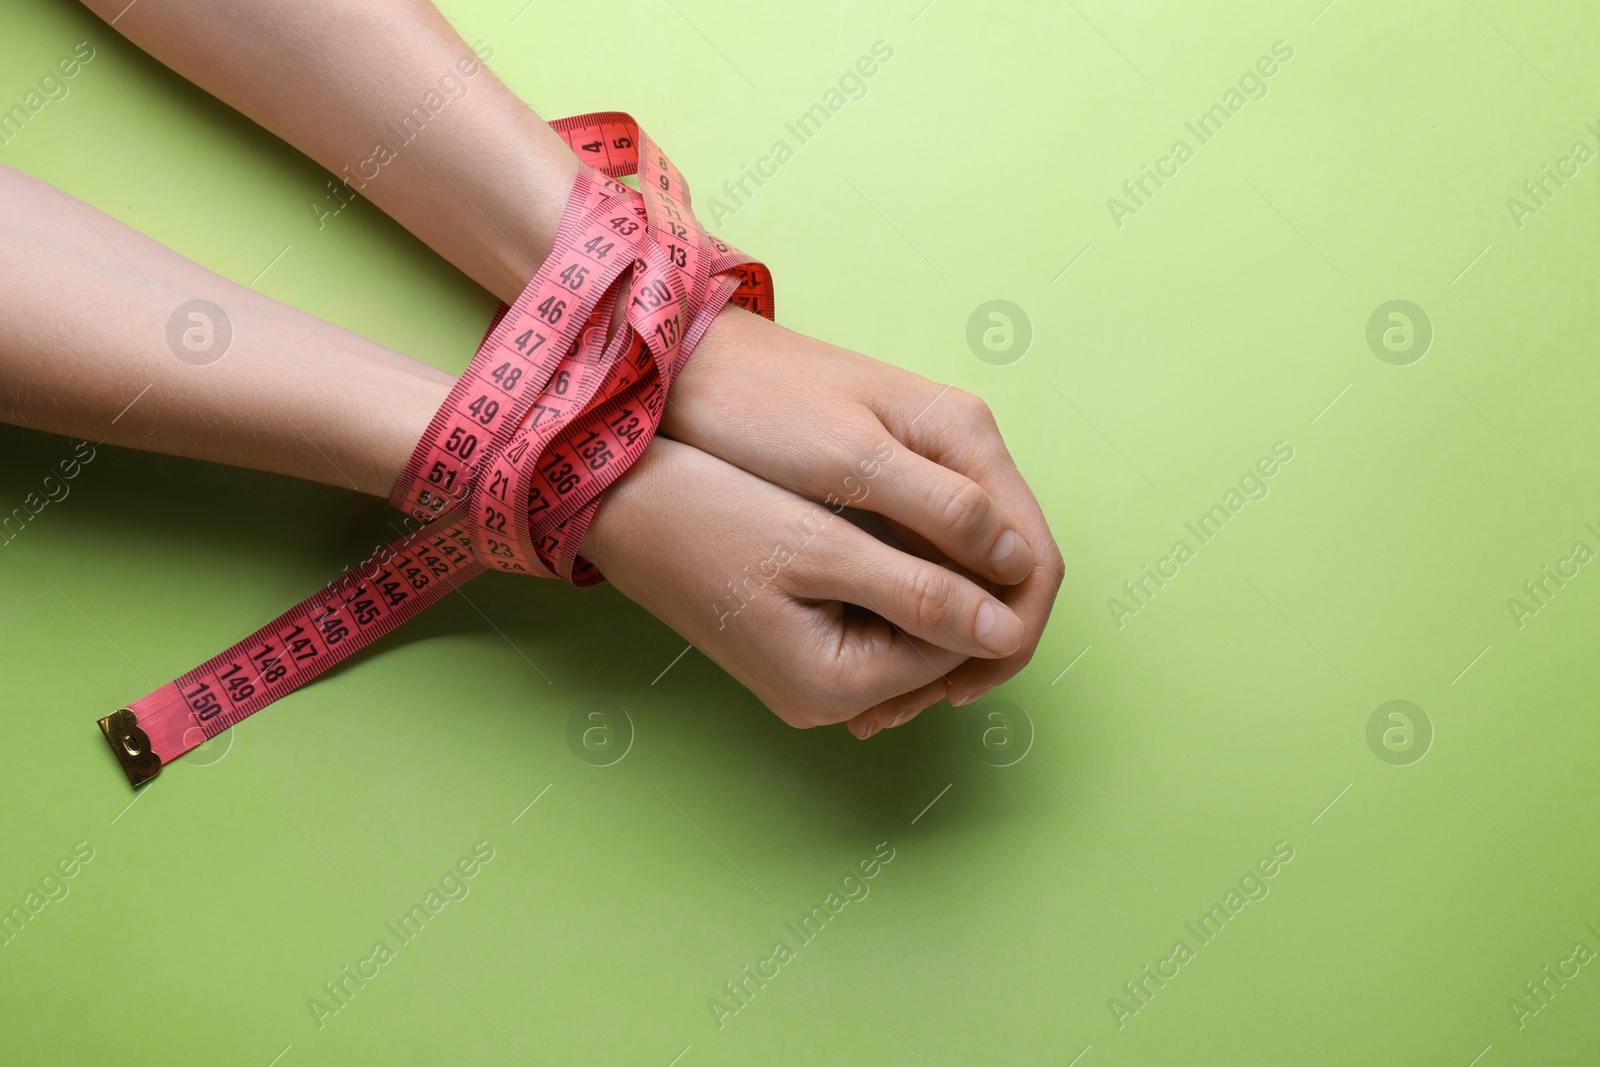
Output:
x=131 y=746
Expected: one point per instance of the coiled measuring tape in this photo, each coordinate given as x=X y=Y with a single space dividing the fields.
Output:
x=561 y=398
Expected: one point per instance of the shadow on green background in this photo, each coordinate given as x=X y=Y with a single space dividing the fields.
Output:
x=1052 y=846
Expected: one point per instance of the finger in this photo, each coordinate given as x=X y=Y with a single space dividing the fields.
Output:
x=958 y=431
x=925 y=600
x=953 y=513
x=897 y=711
x=1032 y=600
x=874 y=664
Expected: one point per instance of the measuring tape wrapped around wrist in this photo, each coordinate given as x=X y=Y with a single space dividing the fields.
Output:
x=561 y=398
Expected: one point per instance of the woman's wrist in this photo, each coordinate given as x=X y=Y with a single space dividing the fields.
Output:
x=720 y=366
x=405 y=405
x=616 y=522
x=506 y=219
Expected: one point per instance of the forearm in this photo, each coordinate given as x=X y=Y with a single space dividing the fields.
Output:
x=388 y=97
x=483 y=183
x=479 y=177
x=88 y=348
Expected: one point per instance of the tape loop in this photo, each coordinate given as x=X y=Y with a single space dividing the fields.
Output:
x=563 y=395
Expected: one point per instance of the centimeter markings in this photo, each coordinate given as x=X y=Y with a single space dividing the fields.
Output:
x=518 y=376
x=314 y=635
x=558 y=379
x=514 y=372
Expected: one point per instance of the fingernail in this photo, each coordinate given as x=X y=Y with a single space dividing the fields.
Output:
x=1011 y=558
x=872 y=730
x=998 y=629
x=900 y=718
x=968 y=698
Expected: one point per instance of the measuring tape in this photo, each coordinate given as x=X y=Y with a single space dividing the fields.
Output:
x=561 y=398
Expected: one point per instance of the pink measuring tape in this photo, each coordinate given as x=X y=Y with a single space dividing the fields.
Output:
x=561 y=398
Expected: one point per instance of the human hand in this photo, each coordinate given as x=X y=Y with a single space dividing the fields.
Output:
x=814 y=419
x=486 y=191
x=772 y=586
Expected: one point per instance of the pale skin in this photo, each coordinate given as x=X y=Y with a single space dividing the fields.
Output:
x=763 y=422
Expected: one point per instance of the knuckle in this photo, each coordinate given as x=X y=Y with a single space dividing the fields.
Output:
x=812 y=544
x=926 y=596
x=974 y=407
x=865 y=451
x=853 y=676
x=1054 y=567
x=964 y=508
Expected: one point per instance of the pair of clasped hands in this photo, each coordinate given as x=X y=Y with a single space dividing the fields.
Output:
x=850 y=541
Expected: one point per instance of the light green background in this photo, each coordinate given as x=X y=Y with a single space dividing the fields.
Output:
x=1229 y=714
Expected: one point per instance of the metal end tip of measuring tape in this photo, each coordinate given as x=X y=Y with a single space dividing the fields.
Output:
x=131 y=746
